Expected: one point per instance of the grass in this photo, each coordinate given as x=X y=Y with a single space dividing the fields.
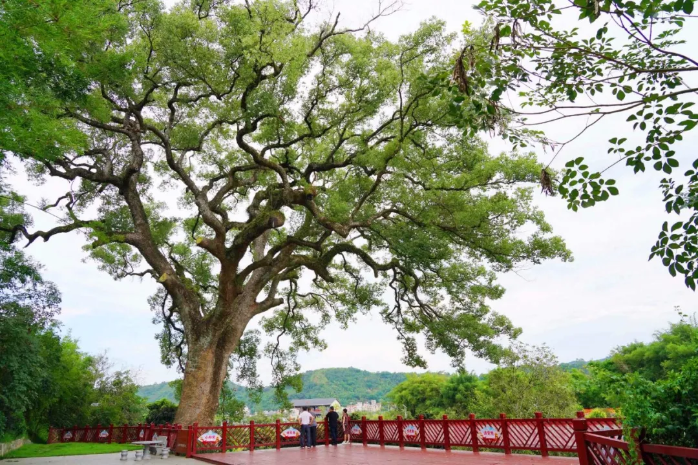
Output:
x=70 y=448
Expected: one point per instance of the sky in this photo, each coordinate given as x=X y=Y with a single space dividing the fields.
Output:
x=609 y=296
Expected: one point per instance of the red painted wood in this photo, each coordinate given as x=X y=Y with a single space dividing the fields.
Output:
x=278 y=434
x=615 y=443
x=111 y=432
x=251 y=435
x=363 y=431
x=534 y=434
x=505 y=433
x=580 y=427
x=400 y=432
x=541 y=434
x=327 y=433
x=422 y=433
x=473 y=433
x=224 y=441
x=381 y=431
x=673 y=451
x=190 y=433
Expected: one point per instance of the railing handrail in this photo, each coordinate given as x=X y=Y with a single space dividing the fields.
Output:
x=674 y=451
x=606 y=441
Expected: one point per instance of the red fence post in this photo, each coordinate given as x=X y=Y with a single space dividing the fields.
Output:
x=278 y=434
x=96 y=438
x=381 y=433
x=195 y=438
x=400 y=437
x=84 y=433
x=75 y=433
x=580 y=427
x=580 y=414
x=224 y=439
x=473 y=433
x=190 y=434
x=422 y=433
x=447 y=436
x=111 y=432
x=541 y=434
x=363 y=431
x=124 y=434
x=251 y=435
x=327 y=432
x=505 y=433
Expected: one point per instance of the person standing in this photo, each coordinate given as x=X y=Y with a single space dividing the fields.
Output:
x=313 y=431
x=332 y=418
x=345 y=426
x=305 y=418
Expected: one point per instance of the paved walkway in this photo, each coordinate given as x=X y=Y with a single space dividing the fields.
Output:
x=357 y=454
x=94 y=460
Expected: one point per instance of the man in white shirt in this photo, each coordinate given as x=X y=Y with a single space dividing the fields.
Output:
x=305 y=418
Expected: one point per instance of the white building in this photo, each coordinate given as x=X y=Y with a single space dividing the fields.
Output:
x=370 y=406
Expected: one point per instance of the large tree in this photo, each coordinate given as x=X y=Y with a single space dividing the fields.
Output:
x=538 y=62
x=313 y=168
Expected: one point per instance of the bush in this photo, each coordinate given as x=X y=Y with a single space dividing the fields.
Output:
x=597 y=413
x=161 y=412
x=667 y=408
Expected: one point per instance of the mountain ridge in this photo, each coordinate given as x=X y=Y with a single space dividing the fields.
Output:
x=348 y=385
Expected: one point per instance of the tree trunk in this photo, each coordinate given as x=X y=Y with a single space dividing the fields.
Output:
x=203 y=379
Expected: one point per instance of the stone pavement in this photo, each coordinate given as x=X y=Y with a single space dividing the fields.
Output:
x=107 y=459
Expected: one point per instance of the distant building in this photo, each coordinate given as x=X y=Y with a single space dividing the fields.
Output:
x=370 y=406
x=313 y=405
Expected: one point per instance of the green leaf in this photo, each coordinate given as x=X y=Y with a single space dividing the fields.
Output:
x=688 y=6
x=613 y=190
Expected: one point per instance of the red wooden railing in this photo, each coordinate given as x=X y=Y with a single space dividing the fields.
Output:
x=610 y=448
x=597 y=441
x=537 y=434
x=114 y=434
x=225 y=437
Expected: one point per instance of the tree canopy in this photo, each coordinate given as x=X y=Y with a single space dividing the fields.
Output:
x=528 y=380
x=44 y=378
x=314 y=169
x=541 y=61
x=652 y=383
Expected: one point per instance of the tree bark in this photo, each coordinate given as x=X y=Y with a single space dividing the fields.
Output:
x=204 y=376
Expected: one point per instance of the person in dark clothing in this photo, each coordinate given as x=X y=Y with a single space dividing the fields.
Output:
x=332 y=418
x=313 y=431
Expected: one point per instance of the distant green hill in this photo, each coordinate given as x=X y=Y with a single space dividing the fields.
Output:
x=578 y=364
x=348 y=385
